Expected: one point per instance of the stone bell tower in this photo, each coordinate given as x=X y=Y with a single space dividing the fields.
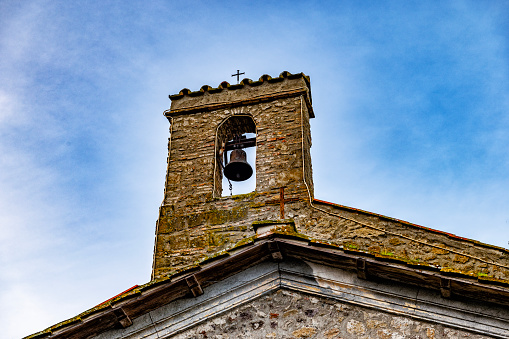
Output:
x=195 y=220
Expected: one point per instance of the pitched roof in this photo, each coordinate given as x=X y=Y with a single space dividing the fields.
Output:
x=279 y=244
x=450 y=235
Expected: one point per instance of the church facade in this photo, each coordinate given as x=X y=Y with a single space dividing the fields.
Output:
x=279 y=263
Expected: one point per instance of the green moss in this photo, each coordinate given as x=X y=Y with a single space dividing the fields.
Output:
x=130 y=294
x=66 y=323
x=96 y=309
x=416 y=261
x=170 y=223
x=154 y=282
x=387 y=255
x=215 y=256
x=257 y=205
x=456 y=272
x=492 y=280
x=184 y=270
x=351 y=246
x=216 y=239
x=39 y=335
x=244 y=242
x=287 y=231
x=324 y=243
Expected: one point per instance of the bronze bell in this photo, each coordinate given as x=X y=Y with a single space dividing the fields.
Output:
x=238 y=169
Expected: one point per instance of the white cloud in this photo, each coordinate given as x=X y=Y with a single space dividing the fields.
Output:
x=83 y=140
x=8 y=105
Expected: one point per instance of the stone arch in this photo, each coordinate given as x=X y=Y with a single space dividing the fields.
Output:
x=227 y=129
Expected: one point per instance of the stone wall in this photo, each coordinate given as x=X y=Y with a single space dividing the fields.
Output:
x=286 y=314
x=195 y=221
x=388 y=238
x=197 y=235
x=192 y=158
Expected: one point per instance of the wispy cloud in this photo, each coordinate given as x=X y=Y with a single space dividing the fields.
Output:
x=410 y=98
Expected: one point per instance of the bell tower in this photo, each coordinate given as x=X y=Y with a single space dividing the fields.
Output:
x=195 y=220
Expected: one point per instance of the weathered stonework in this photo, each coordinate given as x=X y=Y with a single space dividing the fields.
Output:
x=305 y=299
x=364 y=232
x=278 y=263
x=195 y=222
x=289 y=314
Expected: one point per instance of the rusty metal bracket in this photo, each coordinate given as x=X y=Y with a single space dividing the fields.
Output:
x=278 y=201
x=275 y=251
x=242 y=143
x=445 y=287
x=361 y=269
x=194 y=285
x=122 y=318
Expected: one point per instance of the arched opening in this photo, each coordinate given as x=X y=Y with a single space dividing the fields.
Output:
x=235 y=132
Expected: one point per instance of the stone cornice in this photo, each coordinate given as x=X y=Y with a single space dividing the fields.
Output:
x=248 y=92
x=121 y=311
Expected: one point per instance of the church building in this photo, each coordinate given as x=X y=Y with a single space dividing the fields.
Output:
x=278 y=262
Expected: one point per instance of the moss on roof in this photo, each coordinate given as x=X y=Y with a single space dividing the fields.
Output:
x=279 y=232
x=450 y=235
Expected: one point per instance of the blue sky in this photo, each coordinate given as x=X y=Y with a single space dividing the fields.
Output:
x=411 y=101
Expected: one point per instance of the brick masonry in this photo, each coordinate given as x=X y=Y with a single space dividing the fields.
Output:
x=288 y=314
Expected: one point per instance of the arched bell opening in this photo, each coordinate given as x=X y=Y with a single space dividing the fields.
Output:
x=235 y=156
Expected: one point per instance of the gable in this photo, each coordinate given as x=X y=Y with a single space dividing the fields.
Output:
x=293 y=314
x=279 y=261
x=215 y=254
x=302 y=298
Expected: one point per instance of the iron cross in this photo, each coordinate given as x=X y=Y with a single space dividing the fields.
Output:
x=238 y=75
